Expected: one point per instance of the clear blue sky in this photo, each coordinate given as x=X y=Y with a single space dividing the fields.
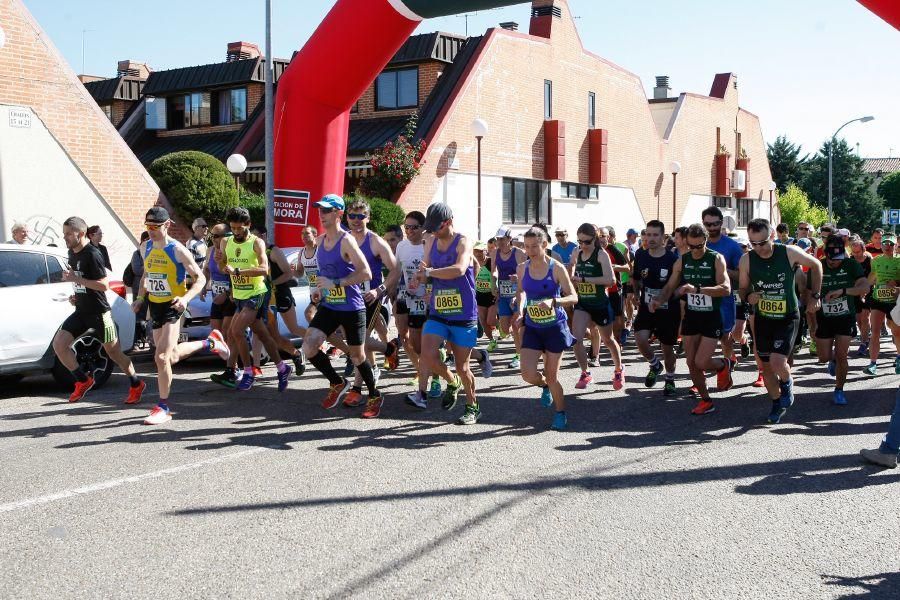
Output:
x=804 y=66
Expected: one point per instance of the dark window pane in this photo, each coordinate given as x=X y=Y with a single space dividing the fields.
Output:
x=239 y=105
x=55 y=269
x=22 y=268
x=507 y=200
x=519 y=211
x=386 y=90
x=408 y=87
x=531 y=201
x=196 y=104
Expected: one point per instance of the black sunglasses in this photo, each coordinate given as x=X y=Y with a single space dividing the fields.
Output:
x=586 y=242
x=413 y=227
x=712 y=223
x=762 y=243
x=696 y=246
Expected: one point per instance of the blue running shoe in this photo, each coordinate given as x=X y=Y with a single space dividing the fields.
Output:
x=246 y=382
x=435 y=390
x=283 y=377
x=897 y=365
x=623 y=337
x=559 y=421
x=832 y=366
x=546 y=398
x=777 y=412
x=839 y=398
x=787 y=394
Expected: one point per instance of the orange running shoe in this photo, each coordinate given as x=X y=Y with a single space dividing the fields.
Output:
x=135 y=393
x=257 y=372
x=760 y=381
x=694 y=391
x=618 y=379
x=353 y=399
x=81 y=389
x=373 y=407
x=724 y=380
x=336 y=393
x=703 y=407
x=392 y=355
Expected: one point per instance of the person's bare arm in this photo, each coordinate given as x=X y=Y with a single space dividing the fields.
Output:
x=723 y=281
x=458 y=268
x=278 y=257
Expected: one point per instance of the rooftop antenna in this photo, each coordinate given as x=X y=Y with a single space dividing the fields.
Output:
x=83 y=31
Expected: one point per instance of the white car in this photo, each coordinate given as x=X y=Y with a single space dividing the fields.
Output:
x=34 y=302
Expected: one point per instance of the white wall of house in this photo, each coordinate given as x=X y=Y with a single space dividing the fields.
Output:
x=41 y=186
x=615 y=206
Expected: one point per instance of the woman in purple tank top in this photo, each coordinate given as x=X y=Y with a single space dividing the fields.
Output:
x=453 y=313
x=544 y=290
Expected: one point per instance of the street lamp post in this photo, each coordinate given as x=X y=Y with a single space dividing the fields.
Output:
x=772 y=187
x=831 y=160
x=270 y=129
x=675 y=169
x=479 y=130
x=236 y=164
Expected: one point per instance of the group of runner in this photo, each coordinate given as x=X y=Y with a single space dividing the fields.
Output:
x=694 y=290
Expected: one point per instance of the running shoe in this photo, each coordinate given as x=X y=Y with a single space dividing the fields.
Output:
x=228 y=378
x=336 y=393
x=760 y=381
x=724 y=380
x=257 y=372
x=448 y=399
x=348 y=367
x=872 y=369
x=787 y=393
x=863 y=350
x=299 y=363
x=623 y=337
x=745 y=348
x=703 y=407
x=158 y=416
x=694 y=391
x=392 y=355
x=414 y=383
x=670 y=389
x=471 y=416
x=353 y=398
x=777 y=412
x=246 y=382
x=502 y=335
x=515 y=362
x=435 y=390
x=618 y=379
x=880 y=458
x=839 y=398
x=376 y=374
x=283 y=376
x=492 y=345
x=652 y=374
x=81 y=389
x=583 y=381
x=832 y=366
x=546 y=397
x=373 y=407
x=417 y=399
x=559 y=421
x=217 y=344
x=334 y=352
x=897 y=365
x=813 y=349
x=135 y=393
x=594 y=360
x=487 y=369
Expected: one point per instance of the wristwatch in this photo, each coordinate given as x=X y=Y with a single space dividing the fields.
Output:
x=697 y=289
x=237 y=272
x=428 y=272
x=817 y=295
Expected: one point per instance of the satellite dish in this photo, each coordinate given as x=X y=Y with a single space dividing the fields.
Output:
x=729 y=223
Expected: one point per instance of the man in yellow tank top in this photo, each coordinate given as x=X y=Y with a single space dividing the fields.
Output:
x=246 y=262
x=167 y=263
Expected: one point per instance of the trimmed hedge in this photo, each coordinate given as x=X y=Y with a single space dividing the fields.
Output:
x=196 y=184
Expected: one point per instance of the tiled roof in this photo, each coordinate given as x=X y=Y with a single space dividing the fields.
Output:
x=103 y=90
x=196 y=78
x=149 y=147
x=429 y=46
x=885 y=165
x=368 y=134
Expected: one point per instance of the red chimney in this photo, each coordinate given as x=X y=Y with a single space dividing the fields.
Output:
x=544 y=15
x=242 y=51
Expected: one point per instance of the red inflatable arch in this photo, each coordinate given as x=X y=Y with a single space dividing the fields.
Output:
x=312 y=107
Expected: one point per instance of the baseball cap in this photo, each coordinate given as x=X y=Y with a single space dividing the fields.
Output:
x=804 y=243
x=888 y=238
x=560 y=229
x=504 y=232
x=631 y=231
x=834 y=248
x=844 y=233
x=479 y=246
x=436 y=215
x=157 y=214
x=331 y=201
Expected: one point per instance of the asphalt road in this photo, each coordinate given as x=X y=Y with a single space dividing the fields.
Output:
x=262 y=495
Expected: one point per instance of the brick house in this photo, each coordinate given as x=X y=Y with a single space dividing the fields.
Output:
x=116 y=96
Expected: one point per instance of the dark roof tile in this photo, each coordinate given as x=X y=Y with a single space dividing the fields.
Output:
x=186 y=79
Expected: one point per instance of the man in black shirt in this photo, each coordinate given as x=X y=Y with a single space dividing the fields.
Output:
x=88 y=277
x=652 y=269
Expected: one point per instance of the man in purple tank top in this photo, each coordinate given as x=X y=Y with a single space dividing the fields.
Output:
x=342 y=270
x=453 y=313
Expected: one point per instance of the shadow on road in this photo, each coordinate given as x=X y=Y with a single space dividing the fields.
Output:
x=876 y=587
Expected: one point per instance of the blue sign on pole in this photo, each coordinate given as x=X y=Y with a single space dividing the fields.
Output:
x=894 y=217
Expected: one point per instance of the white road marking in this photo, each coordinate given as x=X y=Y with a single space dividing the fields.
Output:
x=113 y=483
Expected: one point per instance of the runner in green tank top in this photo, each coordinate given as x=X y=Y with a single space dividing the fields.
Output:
x=767 y=282
x=843 y=281
x=884 y=278
x=700 y=276
x=592 y=272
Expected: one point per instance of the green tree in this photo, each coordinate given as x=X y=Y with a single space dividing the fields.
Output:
x=785 y=162
x=795 y=206
x=856 y=207
x=255 y=205
x=197 y=184
x=889 y=190
x=383 y=213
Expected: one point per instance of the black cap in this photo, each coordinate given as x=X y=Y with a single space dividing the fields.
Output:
x=157 y=214
x=437 y=214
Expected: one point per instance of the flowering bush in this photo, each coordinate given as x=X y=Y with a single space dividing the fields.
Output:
x=395 y=164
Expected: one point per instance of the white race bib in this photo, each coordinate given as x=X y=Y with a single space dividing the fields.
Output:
x=700 y=302
x=836 y=308
x=416 y=306
x=79 y=289
x=220 y=287
x=158 y=285
x=651 y=294
x=507 y=288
